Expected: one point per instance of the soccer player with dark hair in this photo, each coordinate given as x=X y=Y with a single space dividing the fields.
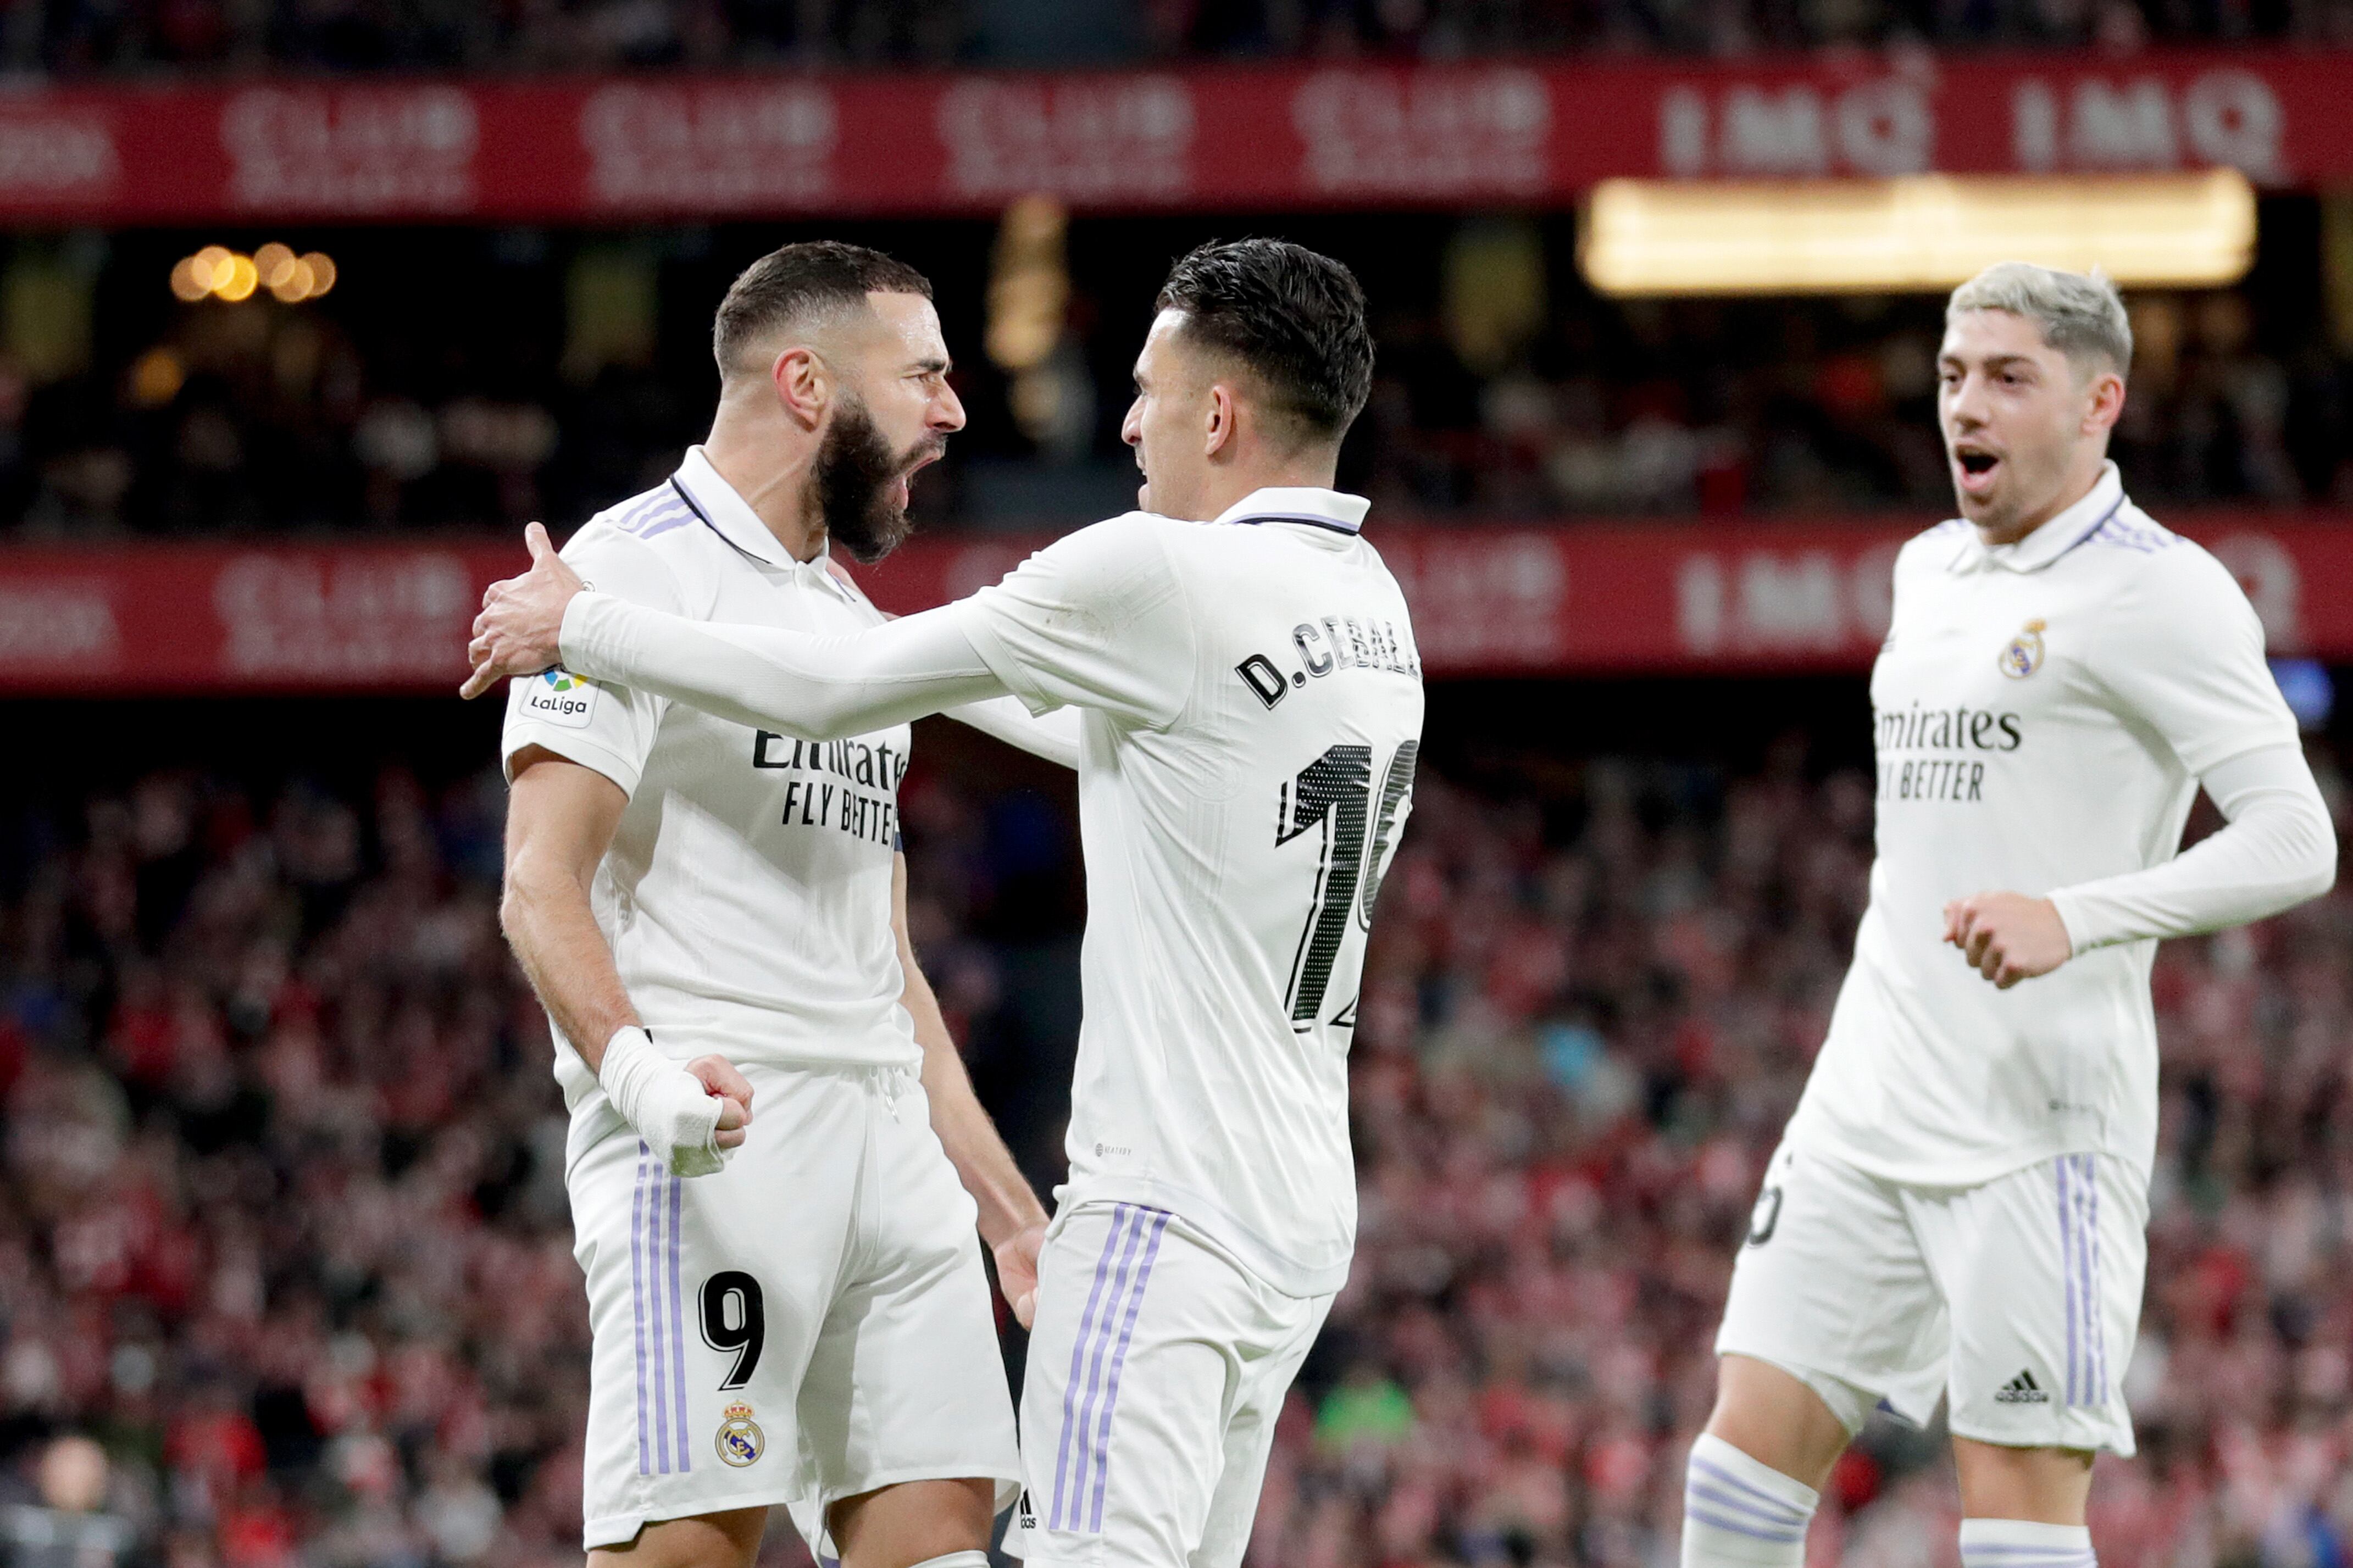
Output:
x=786 y=1308
x=1956 y=1211
x=1251 y=706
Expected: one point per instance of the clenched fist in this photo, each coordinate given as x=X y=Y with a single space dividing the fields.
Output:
x=2008 y=937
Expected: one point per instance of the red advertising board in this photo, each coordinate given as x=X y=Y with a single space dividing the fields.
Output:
x=1277 y=138
x=1581 y=599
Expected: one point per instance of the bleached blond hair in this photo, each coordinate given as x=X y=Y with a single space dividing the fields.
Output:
x=2079 y=313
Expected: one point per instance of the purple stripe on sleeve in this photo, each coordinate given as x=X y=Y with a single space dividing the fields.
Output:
x=677 y=1325
x=1078 y=1362
x=661 y=1329
x=1119 y=1360
x=637 y=1301
x=1101 y=1349
x=631 y=515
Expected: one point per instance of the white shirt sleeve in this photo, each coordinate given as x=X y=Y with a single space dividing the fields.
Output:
x=598 y=726
x=1097 y=619
x=1055 y=736
x=2278 y=849
x=810 y=686
x=2180 y=650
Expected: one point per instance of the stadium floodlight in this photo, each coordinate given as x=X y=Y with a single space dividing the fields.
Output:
x=1917 y=233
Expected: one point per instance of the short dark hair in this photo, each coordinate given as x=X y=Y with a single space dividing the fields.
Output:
x=1292 y=317
x=794 y=280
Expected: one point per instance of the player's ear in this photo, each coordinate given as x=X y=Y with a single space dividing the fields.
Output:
x=804 y=385
x=2108 y=404
x=1223 y=413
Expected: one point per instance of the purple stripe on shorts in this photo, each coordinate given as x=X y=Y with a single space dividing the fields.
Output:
x=2067 y=1270
x=637 y=1301
x=677 y=1324
x=1101 y=1347
x=662 y=1327
x=2094 y=1328
x=1119 y=1360
x=2085 y=1286
x=1078 y=1362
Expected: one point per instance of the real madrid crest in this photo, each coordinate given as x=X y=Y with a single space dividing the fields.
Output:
x=2023 y=655
x=741 y=1441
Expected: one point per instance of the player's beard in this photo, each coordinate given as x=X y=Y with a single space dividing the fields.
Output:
x=856 y=474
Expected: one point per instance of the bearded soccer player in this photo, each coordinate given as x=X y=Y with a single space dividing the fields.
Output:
x=786 y=1298
x=1958 y=1205
x=1252 y=704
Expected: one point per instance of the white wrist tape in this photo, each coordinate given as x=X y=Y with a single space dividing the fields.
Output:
x=676 y=1116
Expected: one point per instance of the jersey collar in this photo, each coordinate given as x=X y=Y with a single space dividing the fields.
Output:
x=1317 y=508
x=2055 y=538
x=731 y=517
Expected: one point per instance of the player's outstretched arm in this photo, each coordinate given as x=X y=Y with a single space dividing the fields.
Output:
x=809 y=687
x=560 y=821
x=1012 y=1221
x=2277 y=848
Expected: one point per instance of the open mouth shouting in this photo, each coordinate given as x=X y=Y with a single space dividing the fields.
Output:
x=1974 y=469
x=903 y=491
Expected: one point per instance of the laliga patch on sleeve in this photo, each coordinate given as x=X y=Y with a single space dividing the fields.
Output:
x=559 y=697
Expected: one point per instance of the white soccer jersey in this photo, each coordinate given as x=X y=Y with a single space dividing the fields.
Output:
x=746 y=896
x=2042 y=711
x=1252 y=708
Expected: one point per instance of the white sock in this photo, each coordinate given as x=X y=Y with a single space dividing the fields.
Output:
x=1740 y=1511
x=957 y=1560
x=2022 y=1544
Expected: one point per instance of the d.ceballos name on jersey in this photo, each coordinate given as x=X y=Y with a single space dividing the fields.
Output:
x=1939 y=754
x=848 y=786
x=1325 y=646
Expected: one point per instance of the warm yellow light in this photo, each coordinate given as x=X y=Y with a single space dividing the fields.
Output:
x=156 y=377
x=240 y=281
x=191 y=280
x=211 y=266
x=323 y=271
x=276 y=265
x=1919 y=233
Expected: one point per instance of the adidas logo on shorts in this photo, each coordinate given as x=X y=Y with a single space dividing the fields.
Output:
x=2021 y=1390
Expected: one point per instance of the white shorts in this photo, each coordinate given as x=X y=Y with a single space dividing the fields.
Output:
x=2017 y=1299
x=1158 y=1367
x=809 y=1323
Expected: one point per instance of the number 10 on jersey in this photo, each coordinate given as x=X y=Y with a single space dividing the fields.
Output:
x=1335 y=792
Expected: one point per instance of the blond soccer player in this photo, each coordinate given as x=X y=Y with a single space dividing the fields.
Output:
x=1957 y=1208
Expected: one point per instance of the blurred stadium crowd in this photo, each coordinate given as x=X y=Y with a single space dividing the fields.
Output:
x=524 y=391
x=79 y=37
x=284 y=1229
